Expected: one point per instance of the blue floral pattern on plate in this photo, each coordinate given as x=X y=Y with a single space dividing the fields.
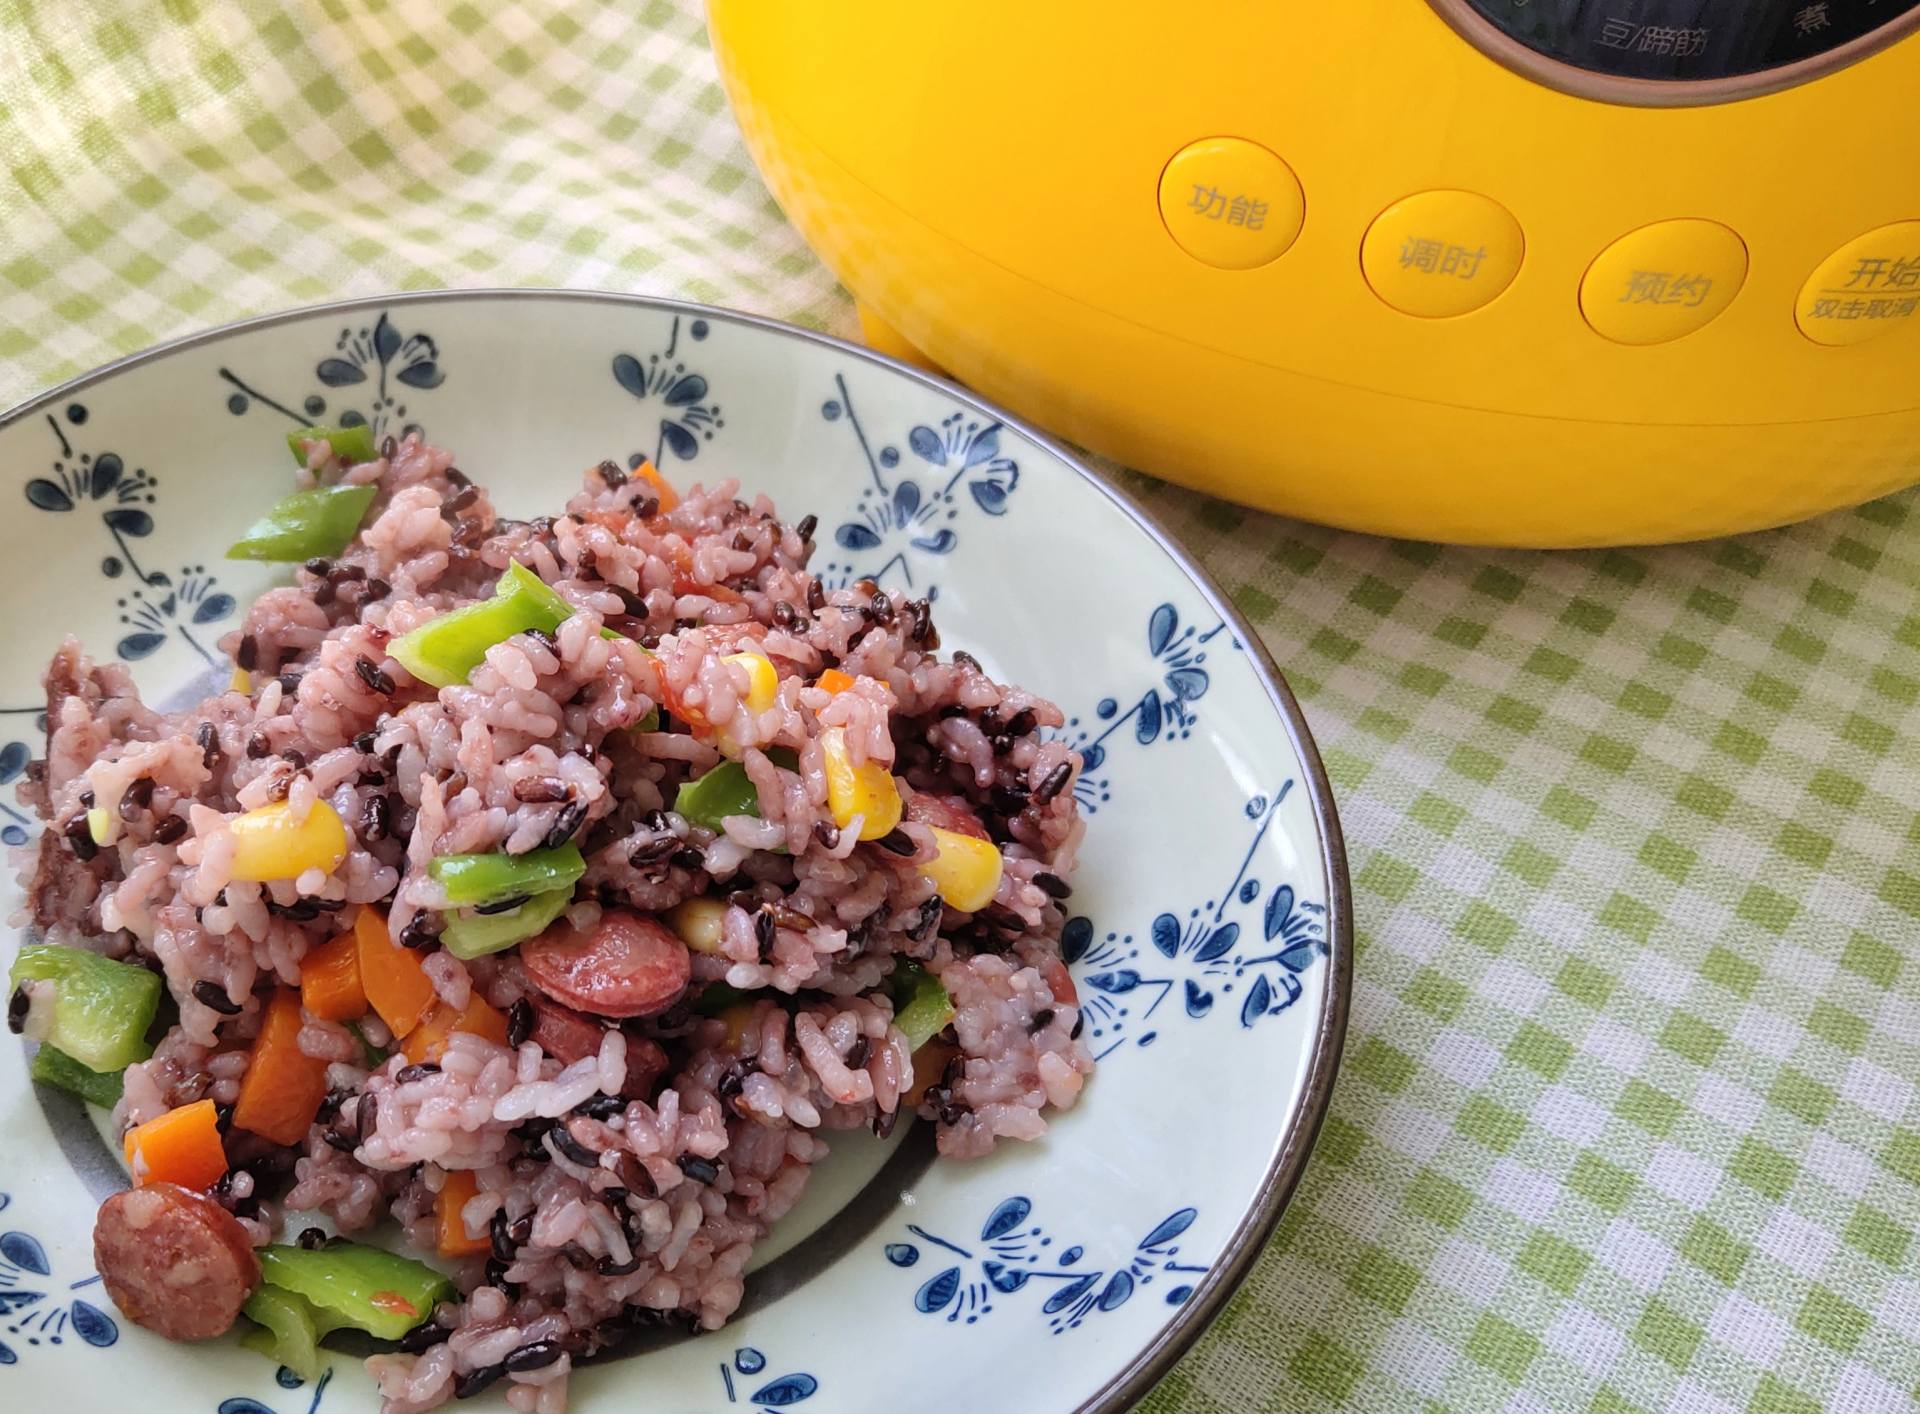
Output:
x=689 y=417
x=32 y=1312
x=1195 y=950
x=779 y=1392
x=1012 y=1254
x=897 y=520
x=376 y=361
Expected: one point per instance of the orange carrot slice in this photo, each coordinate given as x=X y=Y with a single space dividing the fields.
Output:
x=834 y=681
x=181 y=1146
x=330 y=980
x=455 y=1194
x=283 y=1086
x=428 y=1040
x=395 y=983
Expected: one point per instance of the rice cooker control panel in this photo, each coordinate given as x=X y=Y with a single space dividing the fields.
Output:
x=1686 y=40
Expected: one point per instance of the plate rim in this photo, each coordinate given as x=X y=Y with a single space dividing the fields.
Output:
x=1153 y=1360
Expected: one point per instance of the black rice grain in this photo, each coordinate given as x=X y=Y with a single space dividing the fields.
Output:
x=214 y=997
x=858 y=1052
x=474 y=1381
x=370 y=674
x=1052 y=885
x=137 y=796
x=311 y=1239
x=698 y=1169
x=535 y=1354
x=1042 y=1019
x=566 y=824
x=17 y=1006
x=600 y=1107
x=209 y=740
x=519 y=1023
x=897 y=841
x=422 y=1338
x=258 y=747
x=171 y=830
x=410 y=1073
x=563 y=1140
x=505 y=905
x=246 y=656
x=806 y=525
x=376 y=817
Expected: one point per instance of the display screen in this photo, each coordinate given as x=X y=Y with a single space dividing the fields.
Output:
x=1687 y=40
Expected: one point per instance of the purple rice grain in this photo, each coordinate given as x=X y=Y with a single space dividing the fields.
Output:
x=17 y=1007
x=246 y=655
x=209 y=740
x=79 y=837
x=1054 y=782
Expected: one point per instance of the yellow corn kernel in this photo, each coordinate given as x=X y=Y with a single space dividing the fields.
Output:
x=241 y=681
x=763 y=683
x=866 y=790
x=699 y=922
x=99 y=825
x=269 y=843
x=966 y=871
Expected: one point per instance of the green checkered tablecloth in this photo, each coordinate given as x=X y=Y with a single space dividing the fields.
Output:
x=1628 y=1117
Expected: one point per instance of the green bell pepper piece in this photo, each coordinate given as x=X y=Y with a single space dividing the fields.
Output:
x=469 y=935
x=351 y=444
x=308 y=523
x=921 y=1007
x=445 y=650
x=722 y=791
x=101 y=1008
x=53 y=1066
x=487 y=878
x=354 y=1285
x=725 y=790
x=291 y=1330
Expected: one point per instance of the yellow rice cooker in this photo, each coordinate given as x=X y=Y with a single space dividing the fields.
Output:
x=1534 y=272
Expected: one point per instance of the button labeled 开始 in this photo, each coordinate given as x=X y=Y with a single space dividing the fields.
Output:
x=1440 y=253
x=1663 y=281
x=1868 y=287
x=1231 y=203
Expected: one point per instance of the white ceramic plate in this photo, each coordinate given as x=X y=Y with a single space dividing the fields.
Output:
x=1210 y=939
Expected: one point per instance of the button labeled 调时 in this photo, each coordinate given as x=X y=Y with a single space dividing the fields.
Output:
x=1440 y=253
x=1868 y=287
x=1231 y=203
x=1663 y=281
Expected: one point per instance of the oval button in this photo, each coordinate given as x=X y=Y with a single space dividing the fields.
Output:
x=1441 y=253
x=1663 y=280
x=1231 y=203
x=1868 y=287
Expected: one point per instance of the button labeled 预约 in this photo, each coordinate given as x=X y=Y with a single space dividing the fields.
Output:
x=1868 y=287
x=1231 y=203
x=1663 y=281
x=1440 y=253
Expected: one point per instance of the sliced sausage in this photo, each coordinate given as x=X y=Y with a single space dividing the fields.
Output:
x=945 y=812
x=174 y=1261
x=627 y=964
x=568 y=1036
